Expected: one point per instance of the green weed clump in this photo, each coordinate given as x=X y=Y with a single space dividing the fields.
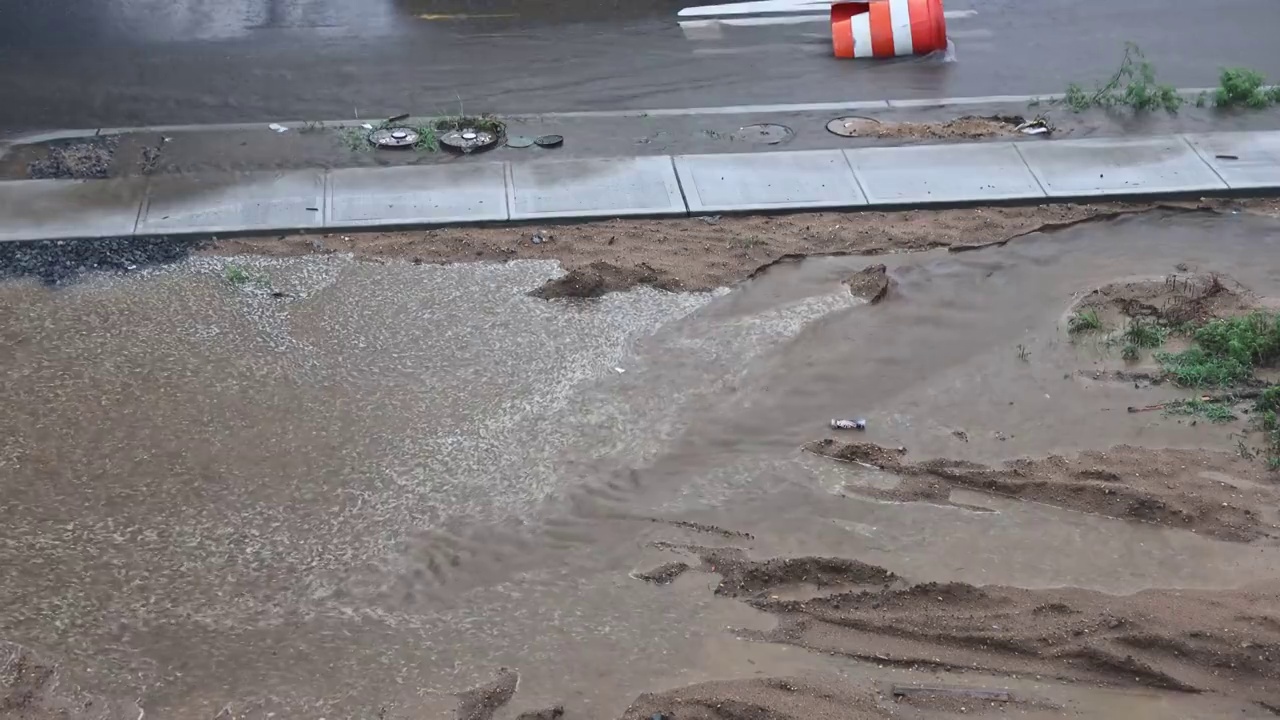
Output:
x=1242 y=87
x=1226 y=351
x=1133 y=85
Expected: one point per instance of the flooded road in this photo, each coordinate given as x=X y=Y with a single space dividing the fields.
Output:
x=322 y=487
x=138 y=62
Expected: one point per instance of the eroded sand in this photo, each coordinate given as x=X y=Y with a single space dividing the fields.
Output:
x=406 y=490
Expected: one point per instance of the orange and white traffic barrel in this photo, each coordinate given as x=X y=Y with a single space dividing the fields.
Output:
x=888 y=28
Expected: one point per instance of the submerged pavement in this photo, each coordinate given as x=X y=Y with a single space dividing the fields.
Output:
x=103 y=63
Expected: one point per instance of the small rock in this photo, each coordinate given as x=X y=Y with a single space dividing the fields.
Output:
x=870 y=283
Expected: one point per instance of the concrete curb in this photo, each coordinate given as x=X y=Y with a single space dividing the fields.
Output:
x=852 y=106
x=479 y=192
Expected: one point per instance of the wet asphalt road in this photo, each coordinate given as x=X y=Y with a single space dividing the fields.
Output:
x=134 y=62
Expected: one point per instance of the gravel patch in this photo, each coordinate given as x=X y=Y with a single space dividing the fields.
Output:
x=60 y=261
x=76 y=161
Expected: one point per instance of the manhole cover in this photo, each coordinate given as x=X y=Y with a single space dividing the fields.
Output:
x=519 y=141
x=468 y=140
x=763 y=134
x=852 y=126
x=550 y=141
x=394 y=137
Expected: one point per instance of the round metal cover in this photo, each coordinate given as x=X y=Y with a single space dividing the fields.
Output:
x=851 y=126
x=550 y=141
x=394 y=137
x=519 y=141
x=468 y=140
x=763 y=134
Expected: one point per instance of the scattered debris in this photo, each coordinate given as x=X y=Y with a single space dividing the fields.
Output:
x=1227 y=157
x=1147 y=408
x=397 y=118
x=278 y=127
x=763 y=134
x=842 y=424
x=150 y=158
x=542 y=236
x=710 y=219
x=1039 y=126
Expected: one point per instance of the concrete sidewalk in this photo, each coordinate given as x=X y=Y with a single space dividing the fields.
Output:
x=473 y=190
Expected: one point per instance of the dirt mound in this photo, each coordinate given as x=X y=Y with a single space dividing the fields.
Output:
x=1176 y=300
x=481 y=703
x=968 y=127
x=870 y=283
x=859 y=452
x=600 y=278
x=742 y=577
x=663 y=574
x=1175 y=488
x=1224 y=641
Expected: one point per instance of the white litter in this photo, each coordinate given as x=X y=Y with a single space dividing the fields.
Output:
x=278 y=127
x=366 y=126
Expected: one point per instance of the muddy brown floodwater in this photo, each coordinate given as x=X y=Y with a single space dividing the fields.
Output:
x=290 y=481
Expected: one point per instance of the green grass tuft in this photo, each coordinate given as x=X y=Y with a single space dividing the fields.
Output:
x=1265 y=410
x=1144 y=333
x=1213 y=411
x=240 y=277
x=1084 y=321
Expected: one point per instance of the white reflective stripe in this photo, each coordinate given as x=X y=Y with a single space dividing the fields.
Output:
x=752 y=21
x=861 y=26
x=757 y=6
x=900 y=20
